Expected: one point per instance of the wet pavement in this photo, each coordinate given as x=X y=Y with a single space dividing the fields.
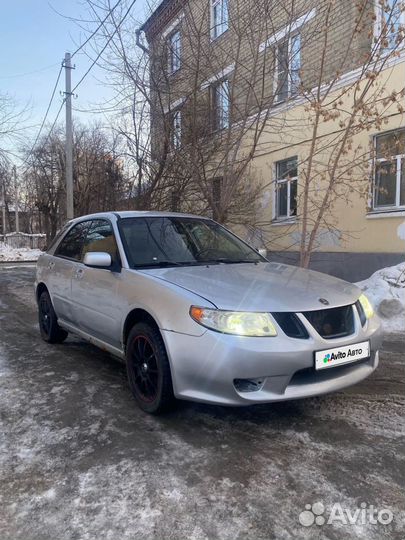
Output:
x=79 y=460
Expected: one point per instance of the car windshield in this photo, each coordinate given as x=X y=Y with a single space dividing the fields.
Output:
x=180 y=241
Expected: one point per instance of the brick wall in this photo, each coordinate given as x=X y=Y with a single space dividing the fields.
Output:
x=252 y=80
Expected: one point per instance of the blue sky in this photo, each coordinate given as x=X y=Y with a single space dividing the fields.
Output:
x=34 y=37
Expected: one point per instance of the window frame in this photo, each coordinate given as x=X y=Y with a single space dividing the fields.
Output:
x=218 y=93
x=217 y=29
x=174 y=55
x=379 y=20
x=290 y=60
x=280 y=181
x=176 y=126
x=399 y=159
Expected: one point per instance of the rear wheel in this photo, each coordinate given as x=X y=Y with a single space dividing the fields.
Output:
x=148 y=369
x=50 y=330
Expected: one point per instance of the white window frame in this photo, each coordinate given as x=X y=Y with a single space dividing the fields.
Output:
x=217 y=28
x=218 y=76
x=288 y=30
x=174 y=53
x=279 y=181
x=379 y=21
x=176 y=129
x=221 y=95
x=399 y=159
x=290 y=60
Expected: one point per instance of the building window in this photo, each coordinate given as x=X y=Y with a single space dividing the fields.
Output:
x=176 y=129
x=221 y=105
x=216 y=196
x=174 y=201
x=286 y=188
x=390 y=23
x=219 y=17
x=174 y=52
x=389 y=173
x=288 y=66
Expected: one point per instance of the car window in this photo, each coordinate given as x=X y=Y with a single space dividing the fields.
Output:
x=72 y=244
x=100 y=237
x=57 y=237
x=181 y=241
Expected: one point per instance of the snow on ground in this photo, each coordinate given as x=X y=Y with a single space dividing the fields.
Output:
x=8 y=253
x=386 y=290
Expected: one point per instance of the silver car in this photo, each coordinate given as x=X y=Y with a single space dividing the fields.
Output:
x=197 y=314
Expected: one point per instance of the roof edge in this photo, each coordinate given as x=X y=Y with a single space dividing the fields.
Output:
x=161 y=16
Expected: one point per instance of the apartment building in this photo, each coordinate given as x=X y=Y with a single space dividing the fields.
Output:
x=291 y=113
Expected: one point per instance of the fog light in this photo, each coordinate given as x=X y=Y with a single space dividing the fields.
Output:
x=248 y=385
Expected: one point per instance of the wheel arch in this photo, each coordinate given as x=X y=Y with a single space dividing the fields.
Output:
x=135 y=316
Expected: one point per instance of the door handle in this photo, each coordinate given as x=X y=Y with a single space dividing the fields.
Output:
x=79 y=273
x=51 y=265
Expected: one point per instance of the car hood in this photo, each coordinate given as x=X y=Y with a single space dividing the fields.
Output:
x=260 y=287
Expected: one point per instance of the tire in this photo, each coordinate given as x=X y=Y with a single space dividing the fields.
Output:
x=50 y=330
x=148 y=369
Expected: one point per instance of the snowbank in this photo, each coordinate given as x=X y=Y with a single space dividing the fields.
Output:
x=8 y=253
x=386 y=290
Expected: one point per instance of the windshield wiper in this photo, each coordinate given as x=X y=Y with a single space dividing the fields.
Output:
x=233 y=261
x=158 y=264
x=166 y=264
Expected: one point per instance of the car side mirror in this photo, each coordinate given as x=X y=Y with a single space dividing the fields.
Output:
x=262 y=252
x=98 y=259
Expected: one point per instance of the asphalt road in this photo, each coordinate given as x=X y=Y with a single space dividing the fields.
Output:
x=78 y=460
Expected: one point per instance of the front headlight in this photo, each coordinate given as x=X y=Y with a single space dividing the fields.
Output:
x=239 y=323
x=367 y=306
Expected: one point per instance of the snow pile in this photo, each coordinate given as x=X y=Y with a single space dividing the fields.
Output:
x=8 y=253
x=386 y=290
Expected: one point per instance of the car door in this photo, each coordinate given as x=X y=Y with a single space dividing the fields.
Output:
x=94 y=290
x=61 y=267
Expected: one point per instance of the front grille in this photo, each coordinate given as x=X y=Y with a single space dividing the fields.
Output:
x=291 y=325
x=333 y=322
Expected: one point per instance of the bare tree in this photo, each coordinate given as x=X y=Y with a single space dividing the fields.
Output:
x=12 y=126
x=275 y=105
x=99 y=180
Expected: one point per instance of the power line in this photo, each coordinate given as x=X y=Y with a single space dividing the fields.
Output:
x=46 y=115
x=97 y=29
x=17 y=75
x=105 y=46
x=56 y=119
x=83 y=77
x=54 y=122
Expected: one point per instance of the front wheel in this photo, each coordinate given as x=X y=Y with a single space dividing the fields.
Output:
x=50 y=330
x=148 y=369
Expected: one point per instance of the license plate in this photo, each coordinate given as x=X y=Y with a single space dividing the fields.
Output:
x=337 y=356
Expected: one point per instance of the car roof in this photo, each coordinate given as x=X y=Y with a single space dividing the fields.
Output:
x=135 y=214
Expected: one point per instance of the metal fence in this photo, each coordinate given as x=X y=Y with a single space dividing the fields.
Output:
x=24 y=240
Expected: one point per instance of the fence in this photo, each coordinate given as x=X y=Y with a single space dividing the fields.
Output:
x=24 y=240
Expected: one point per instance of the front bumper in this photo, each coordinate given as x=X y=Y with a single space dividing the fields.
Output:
x=205 y=368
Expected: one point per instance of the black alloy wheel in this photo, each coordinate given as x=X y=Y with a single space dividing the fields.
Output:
x=148 y=369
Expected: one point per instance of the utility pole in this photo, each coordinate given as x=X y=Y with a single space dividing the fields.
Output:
x=69 y=137
x=17 y=220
